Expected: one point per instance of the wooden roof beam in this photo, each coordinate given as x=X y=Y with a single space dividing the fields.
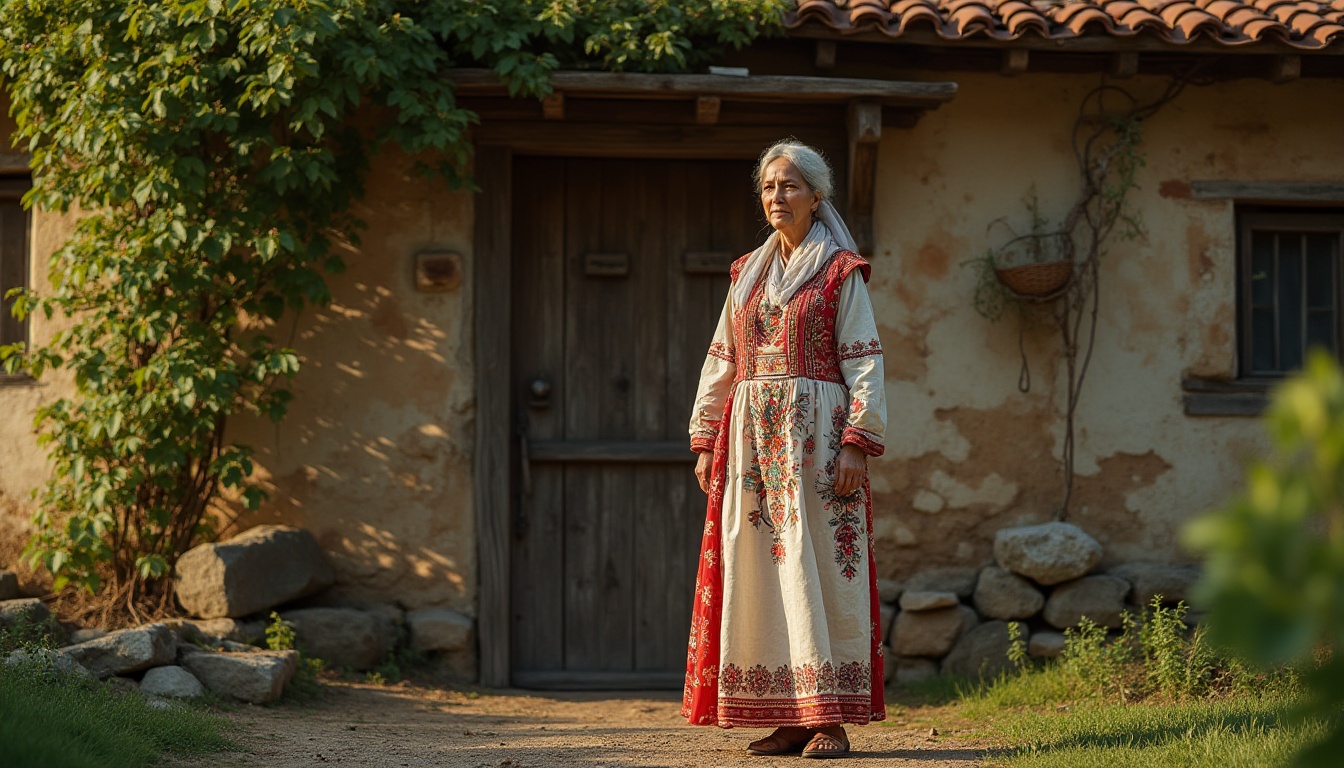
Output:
x=758 y=88
x=865 y=132
x=1015 y=61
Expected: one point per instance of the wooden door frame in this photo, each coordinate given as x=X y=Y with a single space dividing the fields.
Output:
x=496 y=145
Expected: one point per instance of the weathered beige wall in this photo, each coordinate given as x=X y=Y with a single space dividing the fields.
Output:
x=375 y=457
x=967 y=454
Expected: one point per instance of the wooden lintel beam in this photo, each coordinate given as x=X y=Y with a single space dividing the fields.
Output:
x=780 y=88
x=553 y=106
x=1287 y=68
x=865 y=132
x=1015 y=61
x=826 y=54
x=1124 y=64
x=1270 y=191
x=707 y=110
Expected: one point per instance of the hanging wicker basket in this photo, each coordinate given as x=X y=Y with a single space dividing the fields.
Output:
x=1037 y=280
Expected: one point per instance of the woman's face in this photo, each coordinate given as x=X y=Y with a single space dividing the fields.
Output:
x=788 y=201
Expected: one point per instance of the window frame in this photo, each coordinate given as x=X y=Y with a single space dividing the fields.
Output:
x=1297 y=220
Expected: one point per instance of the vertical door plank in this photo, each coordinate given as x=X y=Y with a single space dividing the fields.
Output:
x=13 y=267
x=491 y=297
x=538 y=353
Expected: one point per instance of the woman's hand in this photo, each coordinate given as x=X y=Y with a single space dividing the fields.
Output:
x=849 y=470
x=703 y=465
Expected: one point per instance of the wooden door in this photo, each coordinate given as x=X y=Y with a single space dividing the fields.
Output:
x=619 y=275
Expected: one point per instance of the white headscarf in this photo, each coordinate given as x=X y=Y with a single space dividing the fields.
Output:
x=828 y=235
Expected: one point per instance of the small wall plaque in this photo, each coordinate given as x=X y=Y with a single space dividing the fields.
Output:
x=438 y=271
x=606 y=264
x=707 y=262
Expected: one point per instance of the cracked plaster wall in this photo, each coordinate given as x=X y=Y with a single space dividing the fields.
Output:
x=967 y=453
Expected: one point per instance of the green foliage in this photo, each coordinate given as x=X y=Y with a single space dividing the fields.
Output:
x=65 y=722
x=212 y=149
x=280 y=635
x=1274 y=577
x=1017 y=647
x=27 y=635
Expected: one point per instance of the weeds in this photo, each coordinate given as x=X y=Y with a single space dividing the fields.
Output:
x=307 y=683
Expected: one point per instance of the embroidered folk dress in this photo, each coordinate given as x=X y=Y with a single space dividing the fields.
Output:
x=785 y=627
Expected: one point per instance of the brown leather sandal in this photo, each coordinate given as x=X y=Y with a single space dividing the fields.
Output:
x=776 y=744
x=824 y=746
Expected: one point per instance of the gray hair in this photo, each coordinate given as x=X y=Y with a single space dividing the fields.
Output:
x=808 y=160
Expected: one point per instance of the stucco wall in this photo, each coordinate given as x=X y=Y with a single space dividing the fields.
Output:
x=967 y=453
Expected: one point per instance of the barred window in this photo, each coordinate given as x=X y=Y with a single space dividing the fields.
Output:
x=1290 y=288
x=14 y=256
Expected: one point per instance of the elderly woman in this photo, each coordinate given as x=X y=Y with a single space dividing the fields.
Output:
x=790 y=405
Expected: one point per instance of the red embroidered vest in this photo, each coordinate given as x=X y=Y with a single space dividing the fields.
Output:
x=798 y=339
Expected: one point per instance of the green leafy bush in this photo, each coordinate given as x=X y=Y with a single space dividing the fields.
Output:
x=1274 y=576
x=211 y=149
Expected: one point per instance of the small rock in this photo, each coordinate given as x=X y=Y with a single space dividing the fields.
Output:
x=1000 y=594
x=171 y=682
x=955 y=579
x=129 y=650
x=47 y=661
x=930 y=633
x=85 y=635
x=258 y=677
x=343 y=637
x=123 y=684
x=210 y=630
x=888 y=591
x=254 y=571
x=1100 y=598
x=981 y=652
x=448 y=633
x=9 y=586
x=1046 y=644
x=912 y=671
x=1050 y=553
x=922 y=600
x=1173 y=582
x=28 y=611
x=158 y=702
x=933 y=732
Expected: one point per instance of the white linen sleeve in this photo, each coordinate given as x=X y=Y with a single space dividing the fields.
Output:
x=716 y=380
x=860 y=354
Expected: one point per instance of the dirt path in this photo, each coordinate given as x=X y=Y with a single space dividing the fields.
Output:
x=408 y=725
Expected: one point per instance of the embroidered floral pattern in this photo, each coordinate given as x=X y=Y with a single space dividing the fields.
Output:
x=720 y=350
x=859 y=349
x=803 y=680
x=773 y=473
x=845 y=510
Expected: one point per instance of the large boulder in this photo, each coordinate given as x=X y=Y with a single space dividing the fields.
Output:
x=171 y=682
x=1099 y=598
x=1001 y=594
x=889 y=591
x=343 y=637
x=1050 y=553
x=9 y=586
x=1173 y=582
x=126 y=651
x=955 y=579
x=927 y=600
x=48 y=661
x=982 y=652
x=886 y=615
x=254 y=571
x=930 y=633
x=257 y=677
x=214 y=630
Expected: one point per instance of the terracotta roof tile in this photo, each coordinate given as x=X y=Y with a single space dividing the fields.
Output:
x=1299 y=23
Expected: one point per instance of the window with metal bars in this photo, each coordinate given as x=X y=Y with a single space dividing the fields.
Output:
x=14 y=257
x=1291 y=289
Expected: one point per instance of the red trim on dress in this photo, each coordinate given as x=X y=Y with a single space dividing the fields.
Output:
x=865 y=440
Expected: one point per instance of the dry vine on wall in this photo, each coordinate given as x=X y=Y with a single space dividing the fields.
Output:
x=1106 y=145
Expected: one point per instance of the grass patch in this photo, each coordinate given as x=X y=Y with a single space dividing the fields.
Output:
x=62 y=722
x=1250 y=731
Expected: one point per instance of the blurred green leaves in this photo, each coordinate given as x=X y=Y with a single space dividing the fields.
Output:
x=1274 y=575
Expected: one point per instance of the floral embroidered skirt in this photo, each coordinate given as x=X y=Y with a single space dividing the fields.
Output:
x=785 y=629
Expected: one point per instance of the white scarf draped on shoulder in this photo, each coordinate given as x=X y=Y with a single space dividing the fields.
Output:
x=828 y=235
